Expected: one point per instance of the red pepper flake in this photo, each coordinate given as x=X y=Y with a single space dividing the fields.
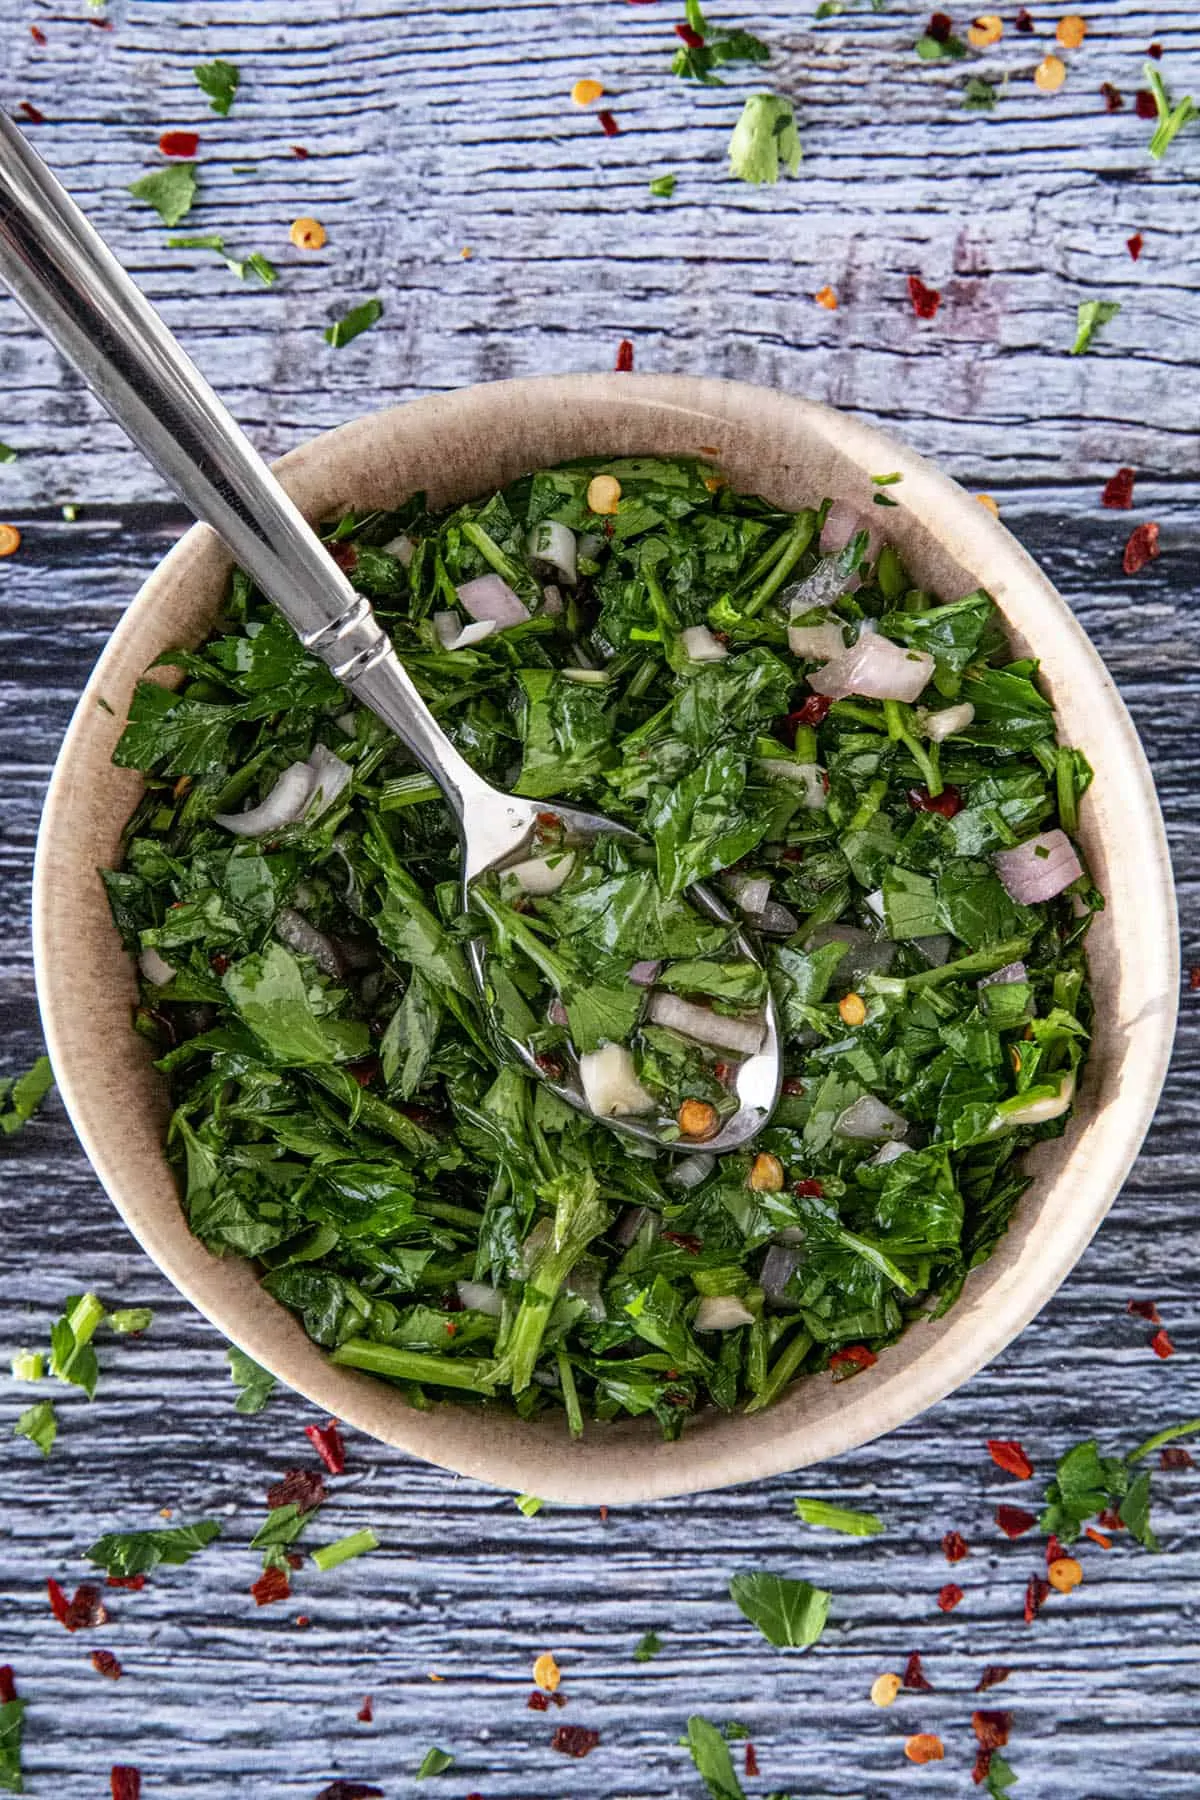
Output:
x=683 y=1240
x=135 y=1583
x=8 y=1686
x=751 y=1761
x=350 y=1790
x=218 y=962
x=1141 y=548
x=302 y=1488
x=101 y=24
x=914 y=1676
x=1161 y=1345
x=603 y=1514
x=538 y=1702
x=126 y=1782
x=1035 y=1597
x=1010 y=1457
x=345 y=556
x=32 y=113
x=810 y=1188
x=1110 y=1520
x=1145 y=104
x=37 y=34
x=1014 y=1520
x=326 y=1440
x=1134 y=245
x=301 y=152
x=272 y=1584
x=179 y=143
x=302 y=1619
x=1117 y=492
x=949 y=1597
x=1114 y=100
x=925 y=300
x=1194 y=978
x=940 y=27
x=1097 y=1537
x=575 y=1740
x=105 y=1663
x=947 y=803
x=983 y=1767
x=59 y=1604
x=1144 y=1309
x=83 y=1613
x=1176 y=1457
x=1024 y=20
x=610 y=128
x=813 y=712
x=294 y=1560
x=850 y=1360
x=451 y=1328
x=792 y=1084
x=1053 y=1550
x=1155 y=51
x=991 y=1729
x=954 y=1547
x=624 y=362
x=691 y=38
x=992 y=1676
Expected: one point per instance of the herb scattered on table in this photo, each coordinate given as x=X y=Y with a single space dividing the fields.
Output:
x=8 y=454
x=354 y=323
x=12 y=1712
x=1091 y=316
x=255 y=1384
x=714 y=1764
x=765 y=140
x=220 y=81
x=838 y=1518
x=434 y=1762
x=662 y=187
x=789 y=1613
x=39 y=1425
x=170 y=191
x=648 y=1648
x=979 y=95
x=356 y=1543
x=1171 y=119
x=125 y=1553
x=22 y=1095
x=938 y=42
x=705 y=48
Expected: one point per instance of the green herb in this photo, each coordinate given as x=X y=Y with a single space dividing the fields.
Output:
x=130 y=1320
x=330 y=1556
x=70 y=514
x=28 y=1365
x=253 y=264
x=39 y=1425
x=170 y=191
x=714 y=1765
x=1171 y=120
x=765 y=139
x=283 y=1525
x=529 y=1504
x=940 y=49
x=979 y=95
x=11 y=1717
x=663 y=186
x=1092 y=314
x=648 y=1648
x=720 y=46
x=1086 y=1482
x=124 y=1553
x=789 y=1613
x=8 y=454
x=357 y=320
x=999 y=1778
x=21 y=1095
x=838 y=1518
x=219 y=80
x=72 y=1358
x=1167 y=1436
x=255 y=1384
x=434 y=1762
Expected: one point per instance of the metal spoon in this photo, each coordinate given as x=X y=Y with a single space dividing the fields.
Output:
x=76 y=292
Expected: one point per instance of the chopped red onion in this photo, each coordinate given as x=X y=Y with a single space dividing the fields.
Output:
x=887 y=1153
x=283 y=805
x=841 y=522
x=876 y=668
x=749 y=892
x=552 y=600
x=779 y=1265
x=721 y=1312
x=480 y=1296
x=935 y=949
x=331 y=776
x=870 y=1120
x=715 y=1029
x=490 y=597
x=808 y=776
x=294 y=930
x=610 y=1083
x=1015 y=971
x=938 y=726
x=690 y=1171
x=556 y=1012
x=401 y=548
x=874 y=900
x=543 y=874
x=774 y=920
x=157 y=970
x=452 y=634
x=629 y=1224
x=816 y=643
x=554 y=543
x=644 y=974
x=700 y=646
x=1039 y=868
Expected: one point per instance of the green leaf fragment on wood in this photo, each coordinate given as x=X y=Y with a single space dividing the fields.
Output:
x=1091 y=316
x=39 y=1425
x=765 y=139
x=791 y=1614
x=838 y=1518
x=434 y=1762
x=170 y=191
x=254 y=1383
x=353 y=323
x=220 y=81
x=21 y=1095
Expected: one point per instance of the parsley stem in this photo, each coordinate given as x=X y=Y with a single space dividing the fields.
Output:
x=862 y=715
x=494 y=556
x=1064 y=774
x=83 y=1318
x=345 y=1549
x=1160 y=1438
x=397 y=1364
x=781 y=1371
x=869 y=805
x=979 y=962
x=797 y=541
x=405 y=790
x=570 y=1394
x=900 y=730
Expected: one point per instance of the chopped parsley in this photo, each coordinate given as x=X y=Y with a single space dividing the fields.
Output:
x=130 y=1321
x=940 y=49
x=662 y=187
x=12 y=1713
x=648 y=1648
x=39 y=1425
x=254 y=264
x=838 y=1518
x=529 y=1504
x=8 y=454
x=434 y=1762
x=345 y=1549
x=714 y=1765
x=358 y=319
x=789 y=1613
x=171 y=191
x=281 y=1528
x=72 y=1358
x=979 y=95
x=697 y=61
x=22 y=1095
x=124 y=1553
x=219 y=80
x=255 y=1384
x=1092 y=314
x=1171 y=119
x=765 y=139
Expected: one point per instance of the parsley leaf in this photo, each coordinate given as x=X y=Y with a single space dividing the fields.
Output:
x=39 y=1425
x=1091 y=315
x=662 y=187
x=434 y=1762
x=170 y=191
x=789 y=1613
x=21 y=1095
x=8 y=454
x=220 y=81
x=72 y=1358
x=357 y=320
x=838 y=1518
x=979 y=95
x=719 y=46
x=765 y=139
x=648 y=1648
x=137 y=1552
x=714 y=1765
x=11 y=1716
x=255 y=1384
x=940 y=49
x=1171 y=120
x=1000 y=1777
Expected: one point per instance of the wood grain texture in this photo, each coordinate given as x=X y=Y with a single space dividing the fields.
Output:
x=443 y=126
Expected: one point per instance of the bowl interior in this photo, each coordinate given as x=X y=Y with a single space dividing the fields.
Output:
x=459 y=445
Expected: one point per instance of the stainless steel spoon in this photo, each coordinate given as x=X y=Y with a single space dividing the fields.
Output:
x=76 y=292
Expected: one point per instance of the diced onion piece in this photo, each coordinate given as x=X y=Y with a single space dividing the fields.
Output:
x=875 y=901
x=690 y=1171
x=610 y=1084
x=1039 y=868
x=808 y=776
x=490 y=597
x=554 y=543
x=816 y=643
x=644 y=974
x=750 y=892
x=841 y=522
x=865 y=955
x=556 y=1012
x=538 y=1241
x=283 y=805
x=887 y=1153
x=721 y=1312
x=401 y=548
x=331 y=777
x=1001 y=977
x=938 y=726
x=157 y=970
x=775 y=920
x=294 y=930
x=876 y=668
x=935 y=949
x=871 y=1120
x=452 y=634
x=701 y=646
x=480 y=1296
x=715 y=1029
x=779 y=1265
x=1039 y=1109
x=552 y=600
x=589 y=545
x=543 y=874
x=629 y=1224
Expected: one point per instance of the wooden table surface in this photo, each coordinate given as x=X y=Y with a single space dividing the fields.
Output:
x=431 y=129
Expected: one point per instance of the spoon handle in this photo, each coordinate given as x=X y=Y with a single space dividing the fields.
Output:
x=74 y=289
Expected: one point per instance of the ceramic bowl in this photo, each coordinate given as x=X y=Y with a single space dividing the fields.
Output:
x=459 y=445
